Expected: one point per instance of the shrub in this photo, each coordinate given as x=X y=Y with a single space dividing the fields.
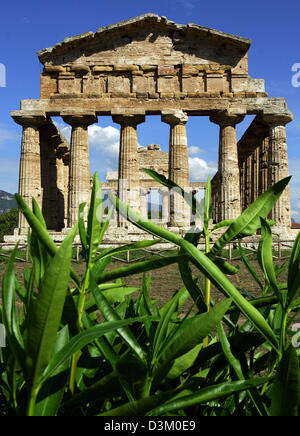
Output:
x=231 y=358
x=8 y=222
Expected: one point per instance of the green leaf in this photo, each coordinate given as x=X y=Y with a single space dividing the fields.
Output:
x=224 y=285
x=190 y=334
x=10 y=318
x=195 y=205
x=94 y=220
x=41 y=232
x=249 y=221
x=83 y=339
x=52 y=391
x=267 y=259
x=205 y=264
x=162 y=328
x=143 y=406
x=206 y=395
x=207 y=204
x=285 y=394
x=294 y=272
x=183 y=363
x=222 y=224
x=82 y=230
x=129 y=247
x=45 y=317
x=139 y=267
x=249 y=266
x=111 y=315
x=191 y=285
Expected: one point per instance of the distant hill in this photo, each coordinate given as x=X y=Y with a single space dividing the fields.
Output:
x=7 y=202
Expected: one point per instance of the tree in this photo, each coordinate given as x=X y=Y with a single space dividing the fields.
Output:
x=8 y=222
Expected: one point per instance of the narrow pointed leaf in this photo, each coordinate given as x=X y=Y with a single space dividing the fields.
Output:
x=47 y=311
x=285 y=394
x=249 y=221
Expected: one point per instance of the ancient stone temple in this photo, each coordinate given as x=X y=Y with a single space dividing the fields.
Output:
x=150 y=66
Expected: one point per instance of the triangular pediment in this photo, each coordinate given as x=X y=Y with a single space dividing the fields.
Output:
x=149 y=39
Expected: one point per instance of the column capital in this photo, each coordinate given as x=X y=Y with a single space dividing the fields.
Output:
x=128 y=119
x=144 y=191
x=227 y=118
x=277 y=119
x=29 y=119
x=76 y=119
x=163 y=191
x=174 y=117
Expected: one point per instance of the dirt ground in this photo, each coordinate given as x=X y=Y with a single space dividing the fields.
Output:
x=167 y=280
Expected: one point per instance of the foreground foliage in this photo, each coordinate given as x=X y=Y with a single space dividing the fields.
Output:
x=83 y=346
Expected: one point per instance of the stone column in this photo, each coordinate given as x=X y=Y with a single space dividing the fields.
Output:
x=229 y=174
x=143 y=202
x=129 y=180
x=264 y=165
x=165 y=216
x=79 y=175
x=178 y=166
x=278 y=167
x=30 y=162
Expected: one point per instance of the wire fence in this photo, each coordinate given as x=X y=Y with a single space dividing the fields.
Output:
x=281 y=251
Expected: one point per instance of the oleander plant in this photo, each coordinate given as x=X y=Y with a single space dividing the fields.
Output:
x=90 y=345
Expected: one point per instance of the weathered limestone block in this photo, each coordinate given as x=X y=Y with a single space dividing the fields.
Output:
x=30 y=163
x=193 y=84
x=168 y=84
x=69 y=84
x=79 y=176
x=119 y=84
x=93 y=85
x=214 y=81
x=48 y=85
x=229 y=175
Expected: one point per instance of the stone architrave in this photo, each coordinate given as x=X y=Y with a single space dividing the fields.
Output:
x=229 y=173
x=178 y=166
x=129 y=182
x=79 y=172
x=278 y=166
x=30 y=163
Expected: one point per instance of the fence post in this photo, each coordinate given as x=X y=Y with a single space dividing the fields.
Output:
x=77 y=253
x=279 y=249
x=27 y=253
x=128 y=256
x=230 y=251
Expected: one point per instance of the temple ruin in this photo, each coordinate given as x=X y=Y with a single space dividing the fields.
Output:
x=150 y=66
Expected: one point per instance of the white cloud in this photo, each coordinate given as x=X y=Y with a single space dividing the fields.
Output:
x=194 y=150
x=200 y=169
x=9 y=175
x=104 y=140
x=7 y=135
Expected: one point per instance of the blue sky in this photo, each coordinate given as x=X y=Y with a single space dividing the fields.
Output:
x=26 y=27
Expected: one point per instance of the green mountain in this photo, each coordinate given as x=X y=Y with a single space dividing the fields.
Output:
x=7 y=202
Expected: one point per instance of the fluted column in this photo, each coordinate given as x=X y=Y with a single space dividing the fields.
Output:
x=143 y=202
x=278 y=166
x=178 y=166
x=165 y=215
x=229 y=174
x=129 y=180
x=79 y=175
x=264 y=165
x=30 y=162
